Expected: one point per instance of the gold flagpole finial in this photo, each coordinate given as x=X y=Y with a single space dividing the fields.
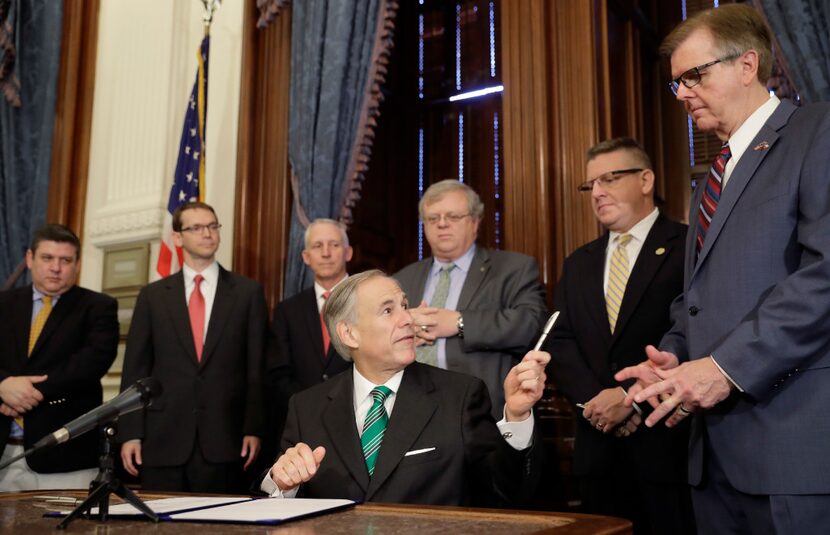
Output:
x=210 y=8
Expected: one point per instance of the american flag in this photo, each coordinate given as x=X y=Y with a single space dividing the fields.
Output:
x=189 y=179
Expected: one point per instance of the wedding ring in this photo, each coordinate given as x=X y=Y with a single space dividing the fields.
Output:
x=684 y=410
x=424 y=328
x=600 y=426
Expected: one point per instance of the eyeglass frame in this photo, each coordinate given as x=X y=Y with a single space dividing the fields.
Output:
x=674 y=85
x=608 y=179
x=198 y=229
x=450 y=217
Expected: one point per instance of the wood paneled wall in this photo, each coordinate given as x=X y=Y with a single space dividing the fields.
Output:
x=263 y=208
x=574 y=72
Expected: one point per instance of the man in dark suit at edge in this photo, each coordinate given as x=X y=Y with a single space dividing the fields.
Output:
x=201 y=333
x=747 y=357
x=398 y=431
x=57 y=341
x=614 y=297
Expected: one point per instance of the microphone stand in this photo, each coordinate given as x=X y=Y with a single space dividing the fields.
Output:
x=106 y=484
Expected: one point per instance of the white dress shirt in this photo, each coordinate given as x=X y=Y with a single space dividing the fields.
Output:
x=639 y=233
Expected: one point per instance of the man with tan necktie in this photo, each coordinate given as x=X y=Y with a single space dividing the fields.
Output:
x=614 y=298
x=57 y=341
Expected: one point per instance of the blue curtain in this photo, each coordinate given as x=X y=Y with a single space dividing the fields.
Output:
x=801 y=27
x=34 y=27
x=331 y=57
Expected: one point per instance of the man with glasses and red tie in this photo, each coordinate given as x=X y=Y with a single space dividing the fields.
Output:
x=201 y=333
x=748 y=356
x=614 y=298
x=479 y=308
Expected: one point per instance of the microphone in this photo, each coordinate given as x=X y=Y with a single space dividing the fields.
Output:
x=136 y=397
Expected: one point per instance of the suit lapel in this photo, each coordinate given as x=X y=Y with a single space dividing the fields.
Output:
x=223 y=303
x=741 y=175
x=645 y=268
x=594 y=271
x=60 y=312
x=420 y=282
x=174 y=298
x=23 y=324
x=414 y=406
x=479 y=268
x=311 y=318
x=338 y=419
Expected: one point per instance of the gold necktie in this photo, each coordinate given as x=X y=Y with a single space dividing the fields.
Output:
x=617 y=279
x=34 y=333
x=40 y=321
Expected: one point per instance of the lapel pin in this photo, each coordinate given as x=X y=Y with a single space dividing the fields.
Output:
x=761 y=146
x=660 y=251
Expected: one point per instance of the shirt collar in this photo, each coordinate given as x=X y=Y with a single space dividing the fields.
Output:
x=743 y=136
x=463 y=262
x=37 y=295
x=363 y=387
x=210 y=274
x=319 y=290
x=639 y=231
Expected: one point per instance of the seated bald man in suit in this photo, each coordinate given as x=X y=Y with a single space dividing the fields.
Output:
x=394 y=430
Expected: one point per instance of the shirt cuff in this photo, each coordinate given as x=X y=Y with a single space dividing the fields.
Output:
x=271 y=489
x=736 y=385
x=518 y=434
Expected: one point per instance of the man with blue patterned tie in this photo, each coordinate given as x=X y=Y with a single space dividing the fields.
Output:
x=395 y=430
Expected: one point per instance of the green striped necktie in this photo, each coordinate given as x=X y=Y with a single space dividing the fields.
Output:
x=374 y=427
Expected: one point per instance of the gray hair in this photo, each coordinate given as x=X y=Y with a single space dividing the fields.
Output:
x=437 y=190
x=342 y=306
x=324 y=220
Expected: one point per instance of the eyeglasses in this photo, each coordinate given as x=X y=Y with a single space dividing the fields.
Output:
x=692 y=77
x=434 y=219
x=608 y=180
x=198 y=229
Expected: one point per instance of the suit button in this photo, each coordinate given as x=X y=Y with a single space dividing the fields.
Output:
x=325 y=376
x=693 y=310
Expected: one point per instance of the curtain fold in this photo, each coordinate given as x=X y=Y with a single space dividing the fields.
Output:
x=801 y=28
x=26 y=131
x=338 y=49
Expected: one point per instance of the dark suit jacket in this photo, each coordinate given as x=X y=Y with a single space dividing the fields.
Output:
x=503 y=304
x=220 y=398
x=585 y=355
x=75 y=349
x=471 y=463
x=758 y=299
x=298 y=356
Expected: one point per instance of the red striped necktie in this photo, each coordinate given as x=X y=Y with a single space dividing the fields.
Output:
x=711 y=195
x=326 y=336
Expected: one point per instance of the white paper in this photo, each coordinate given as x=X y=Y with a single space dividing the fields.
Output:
x=168 y=505
x=263 y=510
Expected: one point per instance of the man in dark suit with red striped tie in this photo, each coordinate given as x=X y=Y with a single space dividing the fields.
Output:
x=201 y=333
x=747 y=358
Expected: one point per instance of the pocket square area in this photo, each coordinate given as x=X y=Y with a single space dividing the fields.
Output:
x=418 y=452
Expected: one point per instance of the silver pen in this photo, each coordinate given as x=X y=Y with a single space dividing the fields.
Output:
x=546 y=330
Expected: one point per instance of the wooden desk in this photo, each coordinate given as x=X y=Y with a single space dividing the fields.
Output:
x=22 y=513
